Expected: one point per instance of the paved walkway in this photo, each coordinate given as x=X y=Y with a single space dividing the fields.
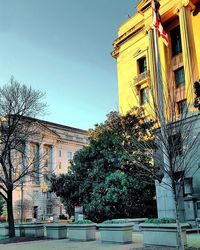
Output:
x=73 y=245
x=193 y=240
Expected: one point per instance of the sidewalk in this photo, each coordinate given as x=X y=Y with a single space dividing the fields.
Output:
x=66 y=244
x=193 y=240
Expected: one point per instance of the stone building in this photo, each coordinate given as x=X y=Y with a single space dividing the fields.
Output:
x=180 y=65
x=54 y=147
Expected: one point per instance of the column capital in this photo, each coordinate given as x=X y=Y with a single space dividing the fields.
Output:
x=148 y=28
x=185 y=2
x=182 y=4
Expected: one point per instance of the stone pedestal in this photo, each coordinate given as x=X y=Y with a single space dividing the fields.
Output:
x=56 y=231
x=190 y=214
x=116 y=233
x=81 y=232
x=162 y=234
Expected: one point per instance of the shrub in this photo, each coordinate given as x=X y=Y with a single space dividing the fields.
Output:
x=83 y=222
x=160 y=220
x=115 y=221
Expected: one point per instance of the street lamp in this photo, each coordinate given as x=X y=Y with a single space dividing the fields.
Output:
x=44 y=187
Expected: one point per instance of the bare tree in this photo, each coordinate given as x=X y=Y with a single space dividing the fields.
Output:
x=24 y=208
x=17 y=104
x=176 y=139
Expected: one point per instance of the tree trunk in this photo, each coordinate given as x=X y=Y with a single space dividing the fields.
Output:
x=179 y=231
x=10 y=213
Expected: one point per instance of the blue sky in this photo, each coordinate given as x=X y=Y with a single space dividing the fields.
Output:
x=62 y=47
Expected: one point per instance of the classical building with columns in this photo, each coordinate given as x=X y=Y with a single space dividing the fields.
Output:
x=180 y=64
x=52 y=149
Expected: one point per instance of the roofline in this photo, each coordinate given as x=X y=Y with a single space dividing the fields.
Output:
x=57 y=125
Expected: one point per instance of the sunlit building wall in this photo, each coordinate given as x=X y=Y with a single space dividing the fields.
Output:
x=180 y=66
x=49 y=153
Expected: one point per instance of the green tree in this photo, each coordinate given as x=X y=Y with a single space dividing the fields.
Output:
x=103 y=179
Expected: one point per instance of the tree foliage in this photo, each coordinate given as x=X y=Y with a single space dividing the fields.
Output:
x=103 y=179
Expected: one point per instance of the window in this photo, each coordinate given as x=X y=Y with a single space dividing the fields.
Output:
x=46 y=150
x=60 y=166
x=142 y=64
x=175 y=144
x=176 y=41
x=48 y=195
x=198 y=205
x=144 y=96
x=69 y=155
x=60 y=152
x=49 y=209
x=179 y=77
x=182 y=105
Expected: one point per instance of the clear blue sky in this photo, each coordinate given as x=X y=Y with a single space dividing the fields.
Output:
x=63 y=47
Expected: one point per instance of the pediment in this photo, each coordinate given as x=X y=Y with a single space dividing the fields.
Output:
x=45 y=131
x=143 y=5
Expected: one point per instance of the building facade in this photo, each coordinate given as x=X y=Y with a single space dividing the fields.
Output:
x=180 y=68
x=52 y=149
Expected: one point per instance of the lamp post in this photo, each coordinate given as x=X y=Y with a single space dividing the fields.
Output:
x=22 y=202
x=44 y=187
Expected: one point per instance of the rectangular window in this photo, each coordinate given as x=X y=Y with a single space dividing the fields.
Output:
x=179 y=77
x=69 y=155
x=144 y=96
x=175 y=144
x=46 y=150
x=182 y=106
x=49 y=209
x=176 y=41
x=34 y=161
x=60 y=166
x=60 y=152
x=142 y=64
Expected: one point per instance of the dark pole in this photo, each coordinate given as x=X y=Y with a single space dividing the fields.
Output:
x=22 y=201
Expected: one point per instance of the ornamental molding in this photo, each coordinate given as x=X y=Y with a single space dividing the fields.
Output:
x=132 y=31
x=184 y=4
x=143 y=5
x=139 y=52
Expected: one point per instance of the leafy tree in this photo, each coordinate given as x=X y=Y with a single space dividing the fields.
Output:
x=17 y=103
x=103 y=179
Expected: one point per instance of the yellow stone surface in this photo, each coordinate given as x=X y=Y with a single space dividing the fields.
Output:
x=133 y=43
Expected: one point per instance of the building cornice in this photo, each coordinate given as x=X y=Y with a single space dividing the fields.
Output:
x=128 y=34
x=50 y=125
x=142 y=6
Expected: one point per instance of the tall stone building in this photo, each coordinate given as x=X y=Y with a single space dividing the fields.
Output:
x=180 y=65
x=53 y=148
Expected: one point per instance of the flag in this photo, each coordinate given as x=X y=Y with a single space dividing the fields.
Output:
x=157 y=21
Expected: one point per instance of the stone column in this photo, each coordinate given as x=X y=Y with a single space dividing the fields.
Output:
x=26 y=160
x=52 y=162
x=187 y=46
x=152 y=63
x=41 y=162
